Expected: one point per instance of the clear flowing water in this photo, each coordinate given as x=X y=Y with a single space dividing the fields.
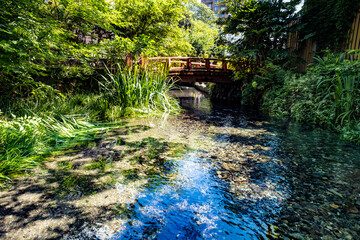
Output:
x=242 y=176
x=297 y=182
x=197 y=203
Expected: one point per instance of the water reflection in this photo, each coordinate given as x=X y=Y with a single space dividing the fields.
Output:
x=255 y=180
x=193 y=100
x=197 y=205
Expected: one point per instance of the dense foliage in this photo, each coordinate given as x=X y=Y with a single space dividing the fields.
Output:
x=260 y=27
x=328 y=22
x=200 y=29
x=328 y=95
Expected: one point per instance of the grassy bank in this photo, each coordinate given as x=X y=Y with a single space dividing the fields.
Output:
x=33 y=128
x=328 y=95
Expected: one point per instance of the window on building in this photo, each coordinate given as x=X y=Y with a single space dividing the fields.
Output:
x=216 y=9
x=210 y=5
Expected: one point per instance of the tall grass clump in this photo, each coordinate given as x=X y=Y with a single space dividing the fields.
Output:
x=137 y=90
x=32 y=129
x=341 y=84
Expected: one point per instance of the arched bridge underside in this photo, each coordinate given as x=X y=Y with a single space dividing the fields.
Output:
x=194 y=69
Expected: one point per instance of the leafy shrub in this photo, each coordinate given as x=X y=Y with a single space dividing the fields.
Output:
x=342 y=83
x=270 y=77
x=327 y=95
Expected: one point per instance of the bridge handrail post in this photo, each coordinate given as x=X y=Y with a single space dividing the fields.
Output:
x=207 y=65
x=188 y=64
x=168 y=63
x=129 y=60
x=144 y=62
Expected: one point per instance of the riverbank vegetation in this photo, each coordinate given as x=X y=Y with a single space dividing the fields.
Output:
x=328 y=94
x=34 y=128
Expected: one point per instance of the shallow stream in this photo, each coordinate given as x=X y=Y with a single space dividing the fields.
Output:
x=213 y=172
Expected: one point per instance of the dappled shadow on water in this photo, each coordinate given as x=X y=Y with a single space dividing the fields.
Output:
x=309 y=178
x=74 y=194
x=320 y=173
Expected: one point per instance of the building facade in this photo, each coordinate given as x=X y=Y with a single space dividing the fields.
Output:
x=217 y=6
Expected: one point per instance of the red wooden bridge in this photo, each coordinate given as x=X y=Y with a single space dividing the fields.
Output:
x=195 y=69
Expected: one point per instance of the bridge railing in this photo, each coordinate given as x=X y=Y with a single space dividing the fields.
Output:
x=178 y=64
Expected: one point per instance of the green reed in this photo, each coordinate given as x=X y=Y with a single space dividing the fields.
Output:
x=136 y=89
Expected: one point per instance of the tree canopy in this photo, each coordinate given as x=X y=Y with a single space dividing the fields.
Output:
x=200 y=28
x=38 y=34
x=261 y=27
